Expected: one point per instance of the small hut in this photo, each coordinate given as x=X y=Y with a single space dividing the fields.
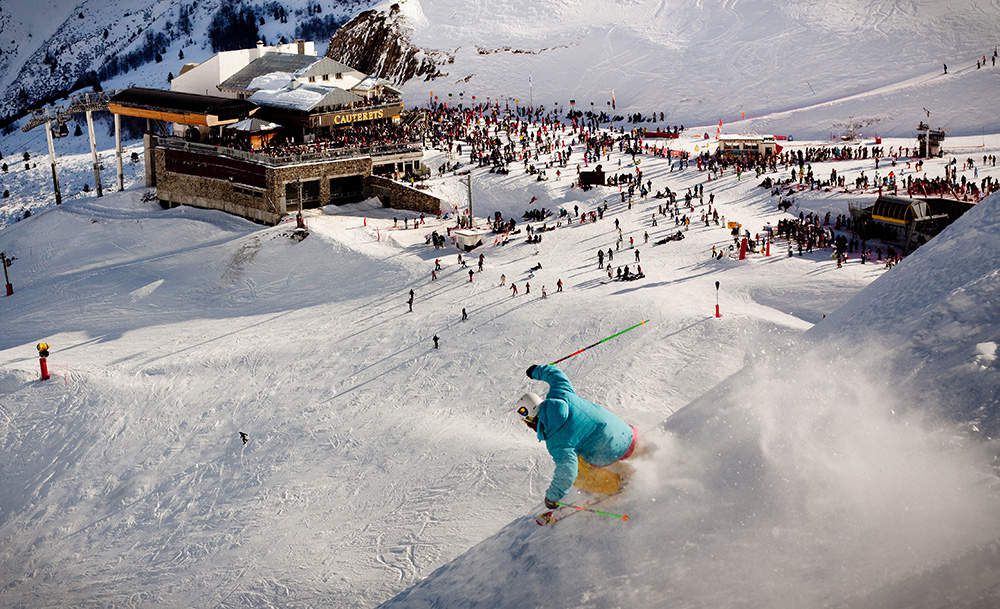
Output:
x=254 y=132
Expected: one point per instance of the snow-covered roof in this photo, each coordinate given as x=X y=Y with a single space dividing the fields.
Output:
x=299 y=98
x=272 y=81
x=303 y=98
x=325 y=65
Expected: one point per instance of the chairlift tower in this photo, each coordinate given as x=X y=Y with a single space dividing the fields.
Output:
x=47 y=117
x=87 y=103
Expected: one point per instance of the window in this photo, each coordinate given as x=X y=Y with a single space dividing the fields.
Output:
x=326 y=77
x=339 y=75
x=312 y=79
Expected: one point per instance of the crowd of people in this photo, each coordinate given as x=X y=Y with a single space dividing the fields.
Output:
x=540 y=140
x=368 y=137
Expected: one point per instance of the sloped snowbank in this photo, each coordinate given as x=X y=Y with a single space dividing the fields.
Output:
x=814 y=477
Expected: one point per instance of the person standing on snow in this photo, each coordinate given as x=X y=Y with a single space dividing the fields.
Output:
x=582 y=437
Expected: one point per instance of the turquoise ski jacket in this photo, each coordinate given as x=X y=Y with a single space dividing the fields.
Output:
x=571 y=426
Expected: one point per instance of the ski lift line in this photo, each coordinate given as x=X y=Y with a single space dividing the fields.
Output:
x=603 y=340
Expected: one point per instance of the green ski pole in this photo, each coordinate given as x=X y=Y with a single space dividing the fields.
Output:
x=603 y=340
x=580 y=508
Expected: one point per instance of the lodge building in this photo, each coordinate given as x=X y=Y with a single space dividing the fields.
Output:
x=263 y=132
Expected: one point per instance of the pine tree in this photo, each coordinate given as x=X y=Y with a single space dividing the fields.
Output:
x=170 y=76
x=180 y=54
x=77 y=132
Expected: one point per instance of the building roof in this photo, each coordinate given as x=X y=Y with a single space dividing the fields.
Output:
x=183 y=103
x=262 y=66
x=900 y=210
x=370 y=82
x=304 y=98
x=254 y=125
x=744 y=137
x=326 y=65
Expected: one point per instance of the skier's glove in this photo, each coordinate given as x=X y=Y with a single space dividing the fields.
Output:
x=551 y=504
x=530 y=369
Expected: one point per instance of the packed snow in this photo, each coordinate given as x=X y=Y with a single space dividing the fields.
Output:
x=829 y=441
x=373 y=458
x=820 y=475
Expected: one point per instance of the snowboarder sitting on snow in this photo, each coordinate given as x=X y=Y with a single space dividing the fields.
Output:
x=582 y=437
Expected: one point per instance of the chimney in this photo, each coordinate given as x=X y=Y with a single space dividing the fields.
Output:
x=260 y=48
x=301 y=45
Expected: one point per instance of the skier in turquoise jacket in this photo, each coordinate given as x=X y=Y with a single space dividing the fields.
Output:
x=582 y=437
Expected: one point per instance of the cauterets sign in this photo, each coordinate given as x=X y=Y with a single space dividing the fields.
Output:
x=355 y=116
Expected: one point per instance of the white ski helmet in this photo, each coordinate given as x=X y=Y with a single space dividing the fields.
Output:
x=527 y=406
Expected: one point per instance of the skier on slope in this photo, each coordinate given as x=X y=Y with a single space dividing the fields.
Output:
x=582 y=437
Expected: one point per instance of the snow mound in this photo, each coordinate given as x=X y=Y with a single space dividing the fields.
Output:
x=823 y=458
x=937 y=312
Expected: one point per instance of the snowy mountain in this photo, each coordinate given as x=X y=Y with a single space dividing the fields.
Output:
x=807 y=68
x=72 y=44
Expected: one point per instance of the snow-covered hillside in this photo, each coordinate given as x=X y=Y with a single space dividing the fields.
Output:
x=373 y=458
x=676 y=56
x=806 y=68
x=820 y=475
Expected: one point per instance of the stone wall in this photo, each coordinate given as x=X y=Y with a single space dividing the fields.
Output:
x=268 y=205
x=323 y=171
x=398 y=196
x=179 y=189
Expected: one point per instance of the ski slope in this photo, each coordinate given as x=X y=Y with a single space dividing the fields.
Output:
x=374 y=459
x=820 y=475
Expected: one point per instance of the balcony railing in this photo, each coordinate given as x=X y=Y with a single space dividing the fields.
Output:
x=276 y=158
